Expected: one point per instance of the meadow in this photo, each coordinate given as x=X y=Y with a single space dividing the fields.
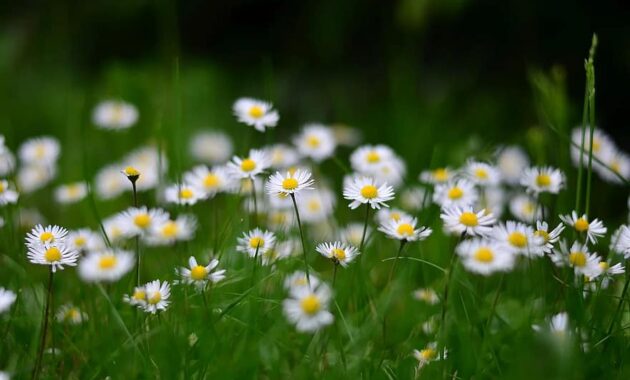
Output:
x=154 y=227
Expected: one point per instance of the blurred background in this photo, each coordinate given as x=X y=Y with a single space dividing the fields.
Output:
x=421 y=75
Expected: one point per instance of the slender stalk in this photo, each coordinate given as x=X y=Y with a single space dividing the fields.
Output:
x=335 y=265
x=367 y=217
x=591 y=107
x=578 y=196
x=137 y=238
x=255 y=201
x=255 y=264
x=297 y=215
x=393 y=269
x=620 y=304
x=42 y=343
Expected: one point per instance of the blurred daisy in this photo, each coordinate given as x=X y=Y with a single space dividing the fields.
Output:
x=484 y=257
x=593 y=230
x=7 y=195
x=391 y=171
x=427 y=295
x=148 y=161
x=41 y=236
x=543 y=180
x=256 y=242
x=459 y=192
x=71 y=193
x=210 y=181
x=250 y=166
x=109 y=183
x=291 y=183
x=157 y=295
x=31 y=178
x=601 y=143
x=169 y=231
x=199 y=275
x=518 y=238
x=352 y=234
x=40 y=151
x=365 y=190
x=7 y=159
x=437 y=176
x=114 y=115
x=492 y=199
x=280 y=220
x=608 y=272
x=385 y=215
x=558 y=325
x=620 y=241
x=316 y=205
x=283 y=156
x=182 y=194
x=298 y=279
x=85 y=240
x=617 y=164
x=404 y=229
x=70 y=314
x=281 y=250
x=7 y=298
x=548 y=238
x=482 y=174
x=256 y=113
x=108 y=265
x=211 y=147
x=140 y=221
x=512 y=161
x=429 y=354
x=460 y=220
x=340 y=253
x=367 y=158
x=525 y=209
x=138 y=297
x=54 y=255
x=578 y=257
x=316 y=141
x=115 y=228
x=414 y=198
x=307 y=307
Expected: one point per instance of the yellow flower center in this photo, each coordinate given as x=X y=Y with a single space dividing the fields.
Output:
x=543 y=180
x=155 y=298
x=405 y=229
x=139 y=295
x=339 y=254
x=581 y=225
x=130 y=171
x=72 y=314
x=314 y=205
x=310 y=304
x=313 y=141
x=170 y=229
x=428 y=354
x=369 y=192
x=2 y=187
x=256 y=242
x=481 y=173
x=517 y=239
x=211 y=180
x=455 y=193
x=468 y=219
x=186 y=193
x=107 y=262
x=395 y=216
x=278 y=218
x=52 y=254
x=528 y=208
x=484 y=255
x=604 y=266
x=616 y=166
x=80 y=241
x=440 y=175
x=577 y=259
x=543 y=234
x=47 y=237
x=198 y=273
x=373 y=157
x=247 y=165
x=596 y=145
x=74 y=191
x=142 y=220
x=256 y=112
x=290 y=184
x=40 y=151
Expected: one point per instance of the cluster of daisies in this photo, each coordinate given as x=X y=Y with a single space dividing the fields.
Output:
x=609 y=162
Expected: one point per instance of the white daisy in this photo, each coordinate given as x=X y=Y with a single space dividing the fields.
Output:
x=114 y=115
x=85 y=240
x=70 y=314
x=41 y=236
x=392 y=171
x=601 y=143
x=7 y=159
x=427 y=295
x=199 y=275
x=518 y=238
x=620 y=241
x=340 y=253
x=7 y=298
x=7 y=196
x=459 y=192
x=140 y=221
x=280 y=220
x=31 y=178
x=483 y=256
x=618 y=162
x=543 y=180
x=150 y=163
x=437 y=176
x=41 y=151
x=291 y=183
x=138 y=297
x=109 y=265
x=548 y=239
x=464 y=220
x=429 y=354
x=405 y=229
x=108 y=182
x=483 y=174
x=54 y=255
x=167 y=232
x=414 y=198
x=281 y=250
x=157 y=295
x=71 y=193
x=211 y=147
x=608 y=272
x=115 y=228
x=365 y=190
x=210 y=181
x=316 y=141
x=385 y=215
x=367 y=158
x=183 y=194
x=256 y=113
x=298 y=279
x=524 y=208
x=594 y=229
x=307 y=307
x=250 y=166
x=512 y=161
x=283 y=156
x=352 y=234
x=317 y=205
x=578 y=257
x=256 y=242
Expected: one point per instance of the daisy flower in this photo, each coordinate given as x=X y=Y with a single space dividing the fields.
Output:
x=608 y=272
x=210 y=181
x=169 y=231
x=367 y=158
x=392 y=171
x=7 y=195
x=307 y=307
x=115 y=228
x=511 y=162
x=108 y=265
x=283 y=156
x=211 y=147
x=140 y=221
x=148 y=161
x=460 y=220
x=525 y=208
x=601 y=143
x=279 y=251
x=138 y=297
x=484 y=257
x=492 y=199
x=404 y=229
x=108 y=183
x=385 y=215
x=316 y=141
x=182 y=194
x=256 y=113
x=7 y=298
x=256 y=242
x=31 y=178
x=548 y=239
x=298 y=279
x=340 y=253
x=620 y=241
x=427 y=295
x=437 y=176
x=85 y=240
x=459 y=192
x=250 y=166
x=352 y=234
x=7 y=159
x=316 y=205
x=414 y=198
x=114 y=115
x=617 y=164
x=40 y=151
x=543 y=180
x=365 y=190
x=157 y=295
x=593 y=230
x=291 y=183
x=199 y=275
x=71 y=193
x=429 y=354
x=482 y=174
x=578 y=257
x=518 y=238
x=70 y=314
x=41 y=236
x=54 y=255
x=558 y=325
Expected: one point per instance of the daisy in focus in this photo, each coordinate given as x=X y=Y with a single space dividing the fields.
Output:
x=157 y=294
x=55 y=255
x=256 y=113
x=484 y=257
x=365 y=190
x=250 y=166
x=404 y=229
x=289 y=184
x=200 y=275
x=464 y=220
x=543 y=180
x=548 y=238
x=114 y=115
x=593 y=230
x=340 y=253
x=256 y=242
x=307 y=307
x=109 y=265
x=578 y=257
x=46 y=236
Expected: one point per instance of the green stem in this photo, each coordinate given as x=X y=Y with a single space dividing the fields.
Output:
x=255 y=201
x=42 y=343
x=297 y=216
x=393 y=269
x=365 y=224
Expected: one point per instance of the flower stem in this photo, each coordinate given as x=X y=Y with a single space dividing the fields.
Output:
x=393 y=269
x=335 y=265
x=297 y=215
x=42 y=342
x=255 y=201
x=367 y=216
x=620 y=304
